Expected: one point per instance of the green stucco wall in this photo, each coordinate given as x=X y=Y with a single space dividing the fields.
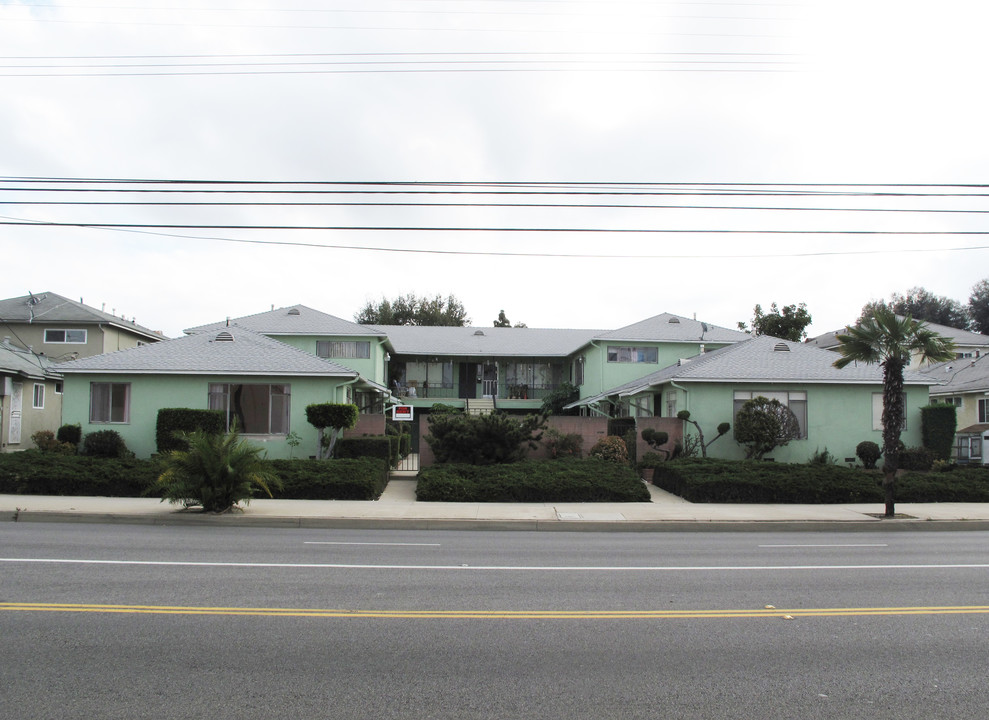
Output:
x=149 y=393
x=372 y=368
x=601 y=375
x=839 y=417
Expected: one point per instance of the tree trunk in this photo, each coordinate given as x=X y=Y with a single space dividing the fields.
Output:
x=893 y=414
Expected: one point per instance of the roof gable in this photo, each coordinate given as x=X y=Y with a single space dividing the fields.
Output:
x=667 y=327
x=292 y=320
x=49 y=308
x=230 y=351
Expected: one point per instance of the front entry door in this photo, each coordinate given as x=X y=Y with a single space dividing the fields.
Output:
x=468 y=381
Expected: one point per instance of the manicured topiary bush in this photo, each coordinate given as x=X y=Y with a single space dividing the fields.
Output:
x=104 y=444
x=34 y=472
x=917 y=458
x=383 y=447
x=335 y=416
x=353 y=479
x=937 y=428
x=869 y=453
x=70 y=434
x=483 y=439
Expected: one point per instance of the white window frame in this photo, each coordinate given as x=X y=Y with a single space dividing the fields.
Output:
x=279 y=414
x=344 y=349
x=38 y=400
x=102 y=414
x=65 y=336
x=877 y=411
x=640 y=354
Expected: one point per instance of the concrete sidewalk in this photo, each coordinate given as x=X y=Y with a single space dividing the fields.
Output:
x=398 y=509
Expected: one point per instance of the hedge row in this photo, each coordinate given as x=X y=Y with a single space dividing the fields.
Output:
x=569 y=480
x=725 y=481
x=38 y=473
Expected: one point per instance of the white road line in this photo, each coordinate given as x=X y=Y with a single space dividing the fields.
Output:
x=503 y=568
x=863 y=545
x=328 y=542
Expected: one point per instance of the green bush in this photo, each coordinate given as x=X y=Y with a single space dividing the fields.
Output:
x=651 y=460
x=70 y=434
x=483 y=439
x=611 y=449
x=917 y=458
x=822 y=457
x=104 y=444
x=937 y=428
x=726 y=481
x=354 y=479
x=46 y=441
x=555 y=400
x=869 y=453
x=34 y=472
x=560 y=445
x=172 y=421
x=335 y=416
x=568 y=480
x=763 y=425
x=383 y=447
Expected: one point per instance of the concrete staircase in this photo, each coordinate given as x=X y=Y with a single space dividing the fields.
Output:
x=480 y=406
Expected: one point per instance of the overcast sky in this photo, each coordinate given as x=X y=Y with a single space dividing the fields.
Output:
x=644 y=95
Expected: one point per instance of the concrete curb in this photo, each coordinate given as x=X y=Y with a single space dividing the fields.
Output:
x=179 y=518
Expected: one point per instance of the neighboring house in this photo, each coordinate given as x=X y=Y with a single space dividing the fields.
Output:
x=263 y=386
x=63 y=329
x=836 y=409
x=30 y=397
x=965 y=384
x=967 y=344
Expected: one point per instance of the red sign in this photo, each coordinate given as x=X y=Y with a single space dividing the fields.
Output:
x=401 y=412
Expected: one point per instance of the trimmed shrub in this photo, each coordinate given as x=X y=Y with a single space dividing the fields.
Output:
x=353 y=479
x=937 y=427
x=917 y=458
x=763 y=425
x=568 y=480
x=70 y=434
x=483 y=439
x=554 y=401
x=869 y=453
x=34 y=472
x=560 y=445
x=383 y=447
x=335 y=416
x=45 y=441
x=104 y=444
x=610 y=448
x=172 y=421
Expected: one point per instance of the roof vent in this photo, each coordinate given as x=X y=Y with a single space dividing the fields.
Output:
x=781 y=347
x=294 y=311
x=674 y=320
x=224 y=337
x=478 y=332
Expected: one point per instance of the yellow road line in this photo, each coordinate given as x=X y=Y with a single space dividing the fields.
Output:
x=493 y=614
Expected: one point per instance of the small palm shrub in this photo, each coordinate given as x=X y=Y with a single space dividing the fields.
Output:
x=217 y=471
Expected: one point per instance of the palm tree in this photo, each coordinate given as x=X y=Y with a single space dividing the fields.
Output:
x=890 y=340
x=217 y=471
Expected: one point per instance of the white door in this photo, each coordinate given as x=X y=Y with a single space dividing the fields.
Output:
x=16 y=402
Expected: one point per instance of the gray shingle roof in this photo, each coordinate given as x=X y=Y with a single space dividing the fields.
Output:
x=48 y=308
x=244 y=353
x=961 y=338
x=15 y=361
x=674 y=328
x=293 y=320
x=960 y=376
x=485 y=342
x=762 y=359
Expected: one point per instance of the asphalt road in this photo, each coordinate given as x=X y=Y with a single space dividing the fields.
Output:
x=117 y=621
